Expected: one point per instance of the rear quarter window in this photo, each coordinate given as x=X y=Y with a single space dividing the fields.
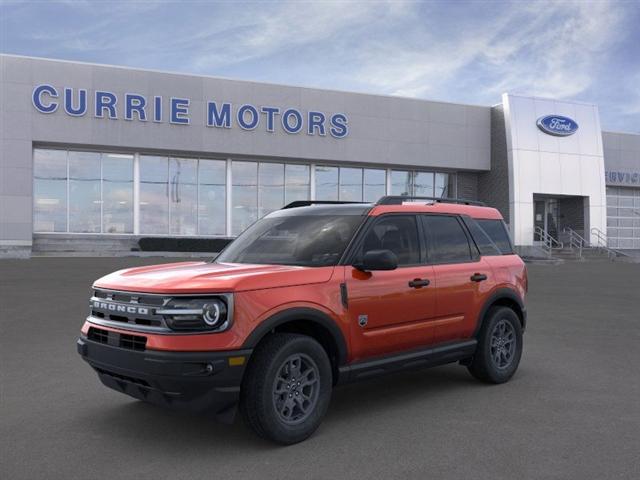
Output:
x=448 y=243
x=496 y=230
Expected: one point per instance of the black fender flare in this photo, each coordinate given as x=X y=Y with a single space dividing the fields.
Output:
x=497 y=295
x=300 y=313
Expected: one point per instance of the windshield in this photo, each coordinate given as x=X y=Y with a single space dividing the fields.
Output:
x=304 y=240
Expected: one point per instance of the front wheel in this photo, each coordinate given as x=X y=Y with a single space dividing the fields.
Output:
x=499 y=346
x=287 y=388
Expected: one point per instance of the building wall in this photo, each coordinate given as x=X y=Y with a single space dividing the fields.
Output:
x=467 y=185
x=621 y=159
x=544 y=164
x=493 y=186
x=388 y=131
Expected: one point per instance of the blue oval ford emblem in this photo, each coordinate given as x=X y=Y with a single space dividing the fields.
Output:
x=557 y=125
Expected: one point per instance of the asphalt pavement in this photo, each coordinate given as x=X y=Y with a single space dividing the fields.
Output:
x=571 y=412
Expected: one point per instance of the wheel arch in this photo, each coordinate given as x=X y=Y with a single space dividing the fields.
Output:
x=504 y=297
x=306 y=321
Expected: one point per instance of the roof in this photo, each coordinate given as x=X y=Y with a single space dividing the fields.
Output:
x=413 y=206
x=473 y=211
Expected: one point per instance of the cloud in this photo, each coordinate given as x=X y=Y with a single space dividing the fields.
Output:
x=463 y=51
x=259 y=34
x=546 y=49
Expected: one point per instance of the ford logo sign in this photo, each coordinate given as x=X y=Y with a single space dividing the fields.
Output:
x=557 y=125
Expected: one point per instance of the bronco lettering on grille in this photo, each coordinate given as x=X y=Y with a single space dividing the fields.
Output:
x=114 y=307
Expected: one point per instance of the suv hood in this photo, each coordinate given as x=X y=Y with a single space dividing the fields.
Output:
x=205 y=277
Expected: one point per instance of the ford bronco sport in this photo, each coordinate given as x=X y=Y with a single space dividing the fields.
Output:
x=311 y=296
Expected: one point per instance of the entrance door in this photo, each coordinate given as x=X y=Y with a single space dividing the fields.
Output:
x=545 y=216
x=539 y=218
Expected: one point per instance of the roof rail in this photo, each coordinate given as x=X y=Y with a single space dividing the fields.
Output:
x=400 y=199
x=307 y=203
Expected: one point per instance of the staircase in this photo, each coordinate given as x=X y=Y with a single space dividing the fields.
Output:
x=571 y=246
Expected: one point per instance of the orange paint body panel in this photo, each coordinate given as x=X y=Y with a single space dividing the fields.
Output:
x=383 y=315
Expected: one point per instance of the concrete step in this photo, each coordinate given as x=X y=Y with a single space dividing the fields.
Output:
x=588 y=254
x=45 y=243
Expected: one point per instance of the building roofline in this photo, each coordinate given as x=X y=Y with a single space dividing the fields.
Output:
x=549 y=99
x=199 y=75
x=620 y=132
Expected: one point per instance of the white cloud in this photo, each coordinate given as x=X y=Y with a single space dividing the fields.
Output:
x=545 y=49
x=263 y=32
x=456 y=51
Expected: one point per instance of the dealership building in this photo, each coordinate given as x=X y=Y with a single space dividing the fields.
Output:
x=96 y=157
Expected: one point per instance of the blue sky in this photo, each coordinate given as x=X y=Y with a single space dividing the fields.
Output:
x=458 y=51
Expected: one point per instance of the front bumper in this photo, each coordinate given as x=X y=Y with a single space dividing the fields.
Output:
x=195 y=381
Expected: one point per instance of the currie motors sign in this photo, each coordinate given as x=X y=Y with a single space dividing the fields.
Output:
x=557 y=125
x=131 y=106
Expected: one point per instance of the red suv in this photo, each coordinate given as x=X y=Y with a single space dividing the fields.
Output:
x=311 y=296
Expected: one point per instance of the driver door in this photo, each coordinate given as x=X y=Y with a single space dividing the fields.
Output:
x=391 y=310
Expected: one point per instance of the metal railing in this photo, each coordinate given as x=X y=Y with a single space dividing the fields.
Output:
x=603 y=245
x=576 y=241
x=549 y=243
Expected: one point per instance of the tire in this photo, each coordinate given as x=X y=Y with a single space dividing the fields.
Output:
x=275 y=404
x=499 y=346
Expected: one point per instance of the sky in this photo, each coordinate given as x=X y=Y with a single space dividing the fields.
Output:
x=456 y=51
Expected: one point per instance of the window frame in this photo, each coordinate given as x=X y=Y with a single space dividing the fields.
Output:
x=474 y=252
x=504 y=229
x=358 y=239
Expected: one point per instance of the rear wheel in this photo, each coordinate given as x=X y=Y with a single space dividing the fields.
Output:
x=287 y=388
x=499 y=346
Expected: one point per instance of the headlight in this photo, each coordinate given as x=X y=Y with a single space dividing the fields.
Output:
x=197 y=314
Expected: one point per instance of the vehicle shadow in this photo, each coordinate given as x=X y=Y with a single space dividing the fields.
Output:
x=371 y=398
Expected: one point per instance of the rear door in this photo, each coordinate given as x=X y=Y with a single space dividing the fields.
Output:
x=390 y=311
x=461 y=277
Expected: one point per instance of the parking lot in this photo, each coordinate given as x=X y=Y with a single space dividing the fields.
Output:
x=571 y=411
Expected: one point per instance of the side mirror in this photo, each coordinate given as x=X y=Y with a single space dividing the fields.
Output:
x=377 y=260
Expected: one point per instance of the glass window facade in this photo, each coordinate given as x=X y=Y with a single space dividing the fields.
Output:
x=212 y=197
x=327 y=183
x=117 y=193
x=183 y=196
x=375 y=184
x=423 y=184
x=244 y=195
x=121 y=193
x=154 y=195
x=297 y=183
x=270 y=187
x=82 y=192
x=85 y=203
x=50 y=177
x=623 y=217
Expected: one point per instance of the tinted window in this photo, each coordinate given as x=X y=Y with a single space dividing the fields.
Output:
x=305 y=240
x=497 y=231
x=482 y=240
x=398 y=234
x=448 y=241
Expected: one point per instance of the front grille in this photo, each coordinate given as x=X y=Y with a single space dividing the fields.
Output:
x=130 y=309
x=98 y=335
x=133 y=342
x=122 y=340
x=125 y=297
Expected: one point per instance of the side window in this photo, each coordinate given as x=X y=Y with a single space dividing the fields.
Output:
x=398 y=234
x=485 y=244
x=448 y=241
x=497 y=231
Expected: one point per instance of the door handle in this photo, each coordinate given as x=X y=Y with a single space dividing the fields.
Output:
x=419 y=282
x=478 y=277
